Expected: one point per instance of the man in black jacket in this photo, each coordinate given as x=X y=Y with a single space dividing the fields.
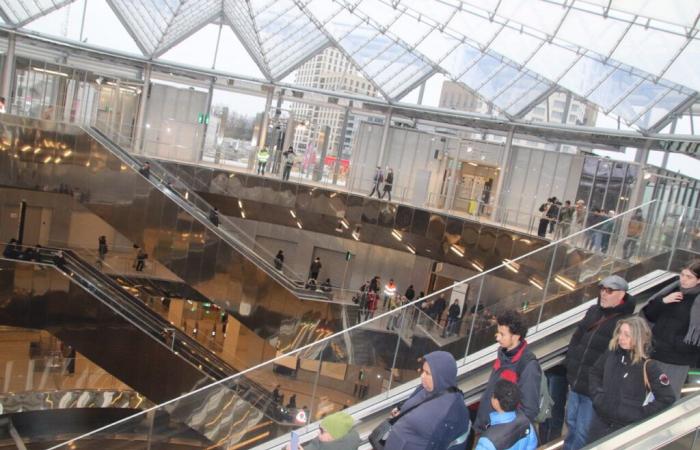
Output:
x=589 y=342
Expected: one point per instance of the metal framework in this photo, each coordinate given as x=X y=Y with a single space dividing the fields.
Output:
x=634 y=59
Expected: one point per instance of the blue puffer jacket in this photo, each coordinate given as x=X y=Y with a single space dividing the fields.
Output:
x=436 y=423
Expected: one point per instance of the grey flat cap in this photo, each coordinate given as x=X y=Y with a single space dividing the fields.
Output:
x=615 y=282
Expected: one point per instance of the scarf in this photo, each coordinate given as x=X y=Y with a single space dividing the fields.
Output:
x=693 y=335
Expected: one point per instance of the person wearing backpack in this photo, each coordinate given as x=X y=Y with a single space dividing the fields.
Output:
x=589 y=342
x=517 y=364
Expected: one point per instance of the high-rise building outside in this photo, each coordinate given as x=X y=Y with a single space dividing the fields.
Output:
x=332 y=71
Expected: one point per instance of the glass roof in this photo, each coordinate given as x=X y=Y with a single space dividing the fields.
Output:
x=636 y=59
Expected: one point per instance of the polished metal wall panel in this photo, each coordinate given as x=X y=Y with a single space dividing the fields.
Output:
x=147 y=217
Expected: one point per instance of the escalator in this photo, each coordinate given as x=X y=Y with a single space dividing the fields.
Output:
x=150 y=212
x=164 y=362
x=392 y=379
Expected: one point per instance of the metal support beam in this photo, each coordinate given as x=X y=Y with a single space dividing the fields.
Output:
x=505 y=159
x=385 y=139
x=143 y=106
x=8 y=69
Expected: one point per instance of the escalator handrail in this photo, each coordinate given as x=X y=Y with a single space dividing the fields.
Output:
x=204 y=356
x=289 y=284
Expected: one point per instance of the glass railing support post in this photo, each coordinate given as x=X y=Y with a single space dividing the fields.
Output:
x=546 y=284
x=476 y=312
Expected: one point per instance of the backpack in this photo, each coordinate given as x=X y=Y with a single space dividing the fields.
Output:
x=546 y=402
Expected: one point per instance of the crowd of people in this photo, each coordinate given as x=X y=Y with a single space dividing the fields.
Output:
x=621 y=368
x=561 y=220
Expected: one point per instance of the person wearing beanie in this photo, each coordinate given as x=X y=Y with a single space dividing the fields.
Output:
x=336 y=432
x=434 y=417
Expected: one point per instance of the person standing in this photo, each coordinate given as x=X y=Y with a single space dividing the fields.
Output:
x=437 y=308
x=263 y=156
x=553 y=213
x=288 y=163
x=145 y=170
x=516 y=363
x=315 y=268
x=544 y=220
x=279 y=260
x=452 y=319
x=377 y=181
x=389 y=293
x=675 y=313
x=388 y=183
x=510 y=428
x=624 y=377
x=102 y=248
x=589 y=342
x=410 y=293
x=3 y=108
x=141 y=257
x=214 y=217
x=634 y=232
x=566 y=216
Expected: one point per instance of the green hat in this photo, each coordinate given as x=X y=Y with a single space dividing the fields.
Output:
x=338 y=424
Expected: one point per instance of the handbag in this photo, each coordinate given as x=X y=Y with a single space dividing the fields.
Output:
x=647 y=387
x=380 y=434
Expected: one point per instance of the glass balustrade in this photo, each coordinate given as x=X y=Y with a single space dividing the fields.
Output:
x=339 y=370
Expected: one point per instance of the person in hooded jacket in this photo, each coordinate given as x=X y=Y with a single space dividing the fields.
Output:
x=441 y=420
x=589 y=342
x=623 y=378
x=675 y=313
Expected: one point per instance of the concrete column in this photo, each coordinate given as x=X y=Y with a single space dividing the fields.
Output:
x=505 y=160
x=7 y=71
x=176 y=311
x=143 y=104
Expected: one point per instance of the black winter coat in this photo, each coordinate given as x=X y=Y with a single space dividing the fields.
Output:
x=590 y=341
x=671 y=323
x=618 y=391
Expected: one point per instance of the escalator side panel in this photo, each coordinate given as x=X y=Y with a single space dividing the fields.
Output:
x=93 y=329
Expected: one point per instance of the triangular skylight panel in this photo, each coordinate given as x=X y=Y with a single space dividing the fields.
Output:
x=19 y=12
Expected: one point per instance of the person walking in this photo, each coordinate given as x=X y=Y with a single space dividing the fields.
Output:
x=675 y=313
x=315 y=268
x=288 y=157
x=626 y=385
x=514 y=362
x=388 y=183
x=434 y=417
x=377 y=181
x=589 y=342
x=263 y=156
